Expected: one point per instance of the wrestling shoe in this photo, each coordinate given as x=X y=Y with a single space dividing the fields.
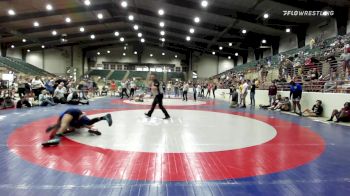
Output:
x=147 y=115
x=167 y=117
x=108 y=118
x=95 y=132
x=53 y=142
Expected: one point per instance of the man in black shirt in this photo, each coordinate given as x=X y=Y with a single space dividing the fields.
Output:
x=157 y=92
x=252 y=93
x=316 y=110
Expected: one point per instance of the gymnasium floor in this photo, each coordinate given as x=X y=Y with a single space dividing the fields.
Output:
x=205 y=149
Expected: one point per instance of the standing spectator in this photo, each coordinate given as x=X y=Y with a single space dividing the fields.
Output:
x=244 y=92
x=214 y=89
x=234 y=98
x=185 y=91
x=169 y=88
x=296 y=93
x=37 y=86
x=209 y=88
x=272 y=92
x=194 y=88
x=132 y=89
x=345 y=57
x=176 y=89
x=124 y=89
x=21 y=87
x=252 y=93
x=113 y=87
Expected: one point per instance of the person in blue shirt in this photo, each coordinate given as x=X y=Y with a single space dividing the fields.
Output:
x=296 y=91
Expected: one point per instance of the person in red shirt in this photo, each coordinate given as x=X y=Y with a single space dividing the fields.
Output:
x=113 y=88
x=343 y=115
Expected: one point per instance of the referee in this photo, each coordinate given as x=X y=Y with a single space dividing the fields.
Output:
x=157 y=92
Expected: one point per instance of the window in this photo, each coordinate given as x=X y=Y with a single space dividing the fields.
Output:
x=119 y=67
x=112 y=67
x=177 y=69
x=105 y=66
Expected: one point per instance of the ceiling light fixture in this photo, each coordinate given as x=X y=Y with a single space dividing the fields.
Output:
x=136 y=27
x=220 y=48
x=192 y=30
x=161 y=12
x=266 y=16
x=81 y=29
x=68 y=20
x=92 y=36
x=151 y=55
x=229 y=57
x=163 y=54
x=188 y=38
x=197 y=19
x=288 y=30
x=124 y=54
x=176 y=56
x=124 y=4
x=100 y=16
x=36 y=24
x=108 y=51
x=213 y=53
x=24 y=40
x=42 y=46
x=162 y=33
x=236 y=54
x=161 y=24
x=142 y=40
x=135 y=52
x=49 y=7
x=162 y=39
x=204 y=3
x=139 y=35
x=11 y=12
x=54 y=32
x=122 y=39
x=87 y=2
x=28 y=50
x=12 y=46
x=230 y=44
x=263 y=41
x=98 y=53
x=116 y=33
x=244 y=31
x=131 y=17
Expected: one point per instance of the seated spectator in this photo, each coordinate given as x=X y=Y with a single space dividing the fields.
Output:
x=59 y=94
x=23 y=102
x=316 y=110
x=273 y=104
x=283 y=105
x=234 y=100
x=6 y=103
x=74 y=99
x=343 y=115
x=45 y=99
x=104 y=91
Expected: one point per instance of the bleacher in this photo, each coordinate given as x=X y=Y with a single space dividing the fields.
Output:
x=117 y=75
x=176 y=75
x=20 y=66
x=138 y=74
x=99 y=73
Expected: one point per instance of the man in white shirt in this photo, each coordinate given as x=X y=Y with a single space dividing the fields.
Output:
x=244 y=92
x=59 y=94
x=132 y=89
x=124 y=89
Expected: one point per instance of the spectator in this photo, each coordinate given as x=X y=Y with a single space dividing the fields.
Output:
x=23 y=102
x=45 y=99
x=343 y=115
x=74 y=99
x=296 y=93
x=272 y=92
x=113 y=88
x=245 y=87
x=59 y=94
x=316 y=110
x=37 y=86
x=234 y=98
x=273 y=104
x=282 y=105
x=185 y=91
x=252 y=93
x=132 y=89
x=124 y=89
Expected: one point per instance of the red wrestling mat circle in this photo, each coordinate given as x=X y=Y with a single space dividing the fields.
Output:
x=293 y=146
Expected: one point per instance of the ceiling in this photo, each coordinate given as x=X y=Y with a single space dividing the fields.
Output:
x=221 y=23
